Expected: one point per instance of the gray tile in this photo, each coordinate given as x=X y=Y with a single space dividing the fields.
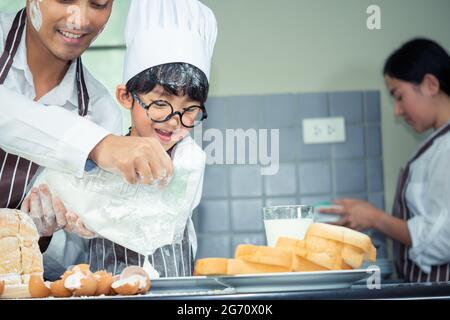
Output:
x=257 y=239
x=213 y=216
x=246 y=181
x=215 y=182
x=315 y=178
x=353 y=147
x=247 y=215
x=359 y=196
x=348 y=105
x=289 y=141
x=375 y=175
x=350 y=176
x=212 y=142
x=214 y=246
x=280 y=111
x=216 y=108
x=314 y=200
x=373 y=141
x=313 y=151
x=283 y=183
x=372 y=106
x=377 y=199
x=280 y=201
x=245 y=112
x=312 y=105
x=242 y=146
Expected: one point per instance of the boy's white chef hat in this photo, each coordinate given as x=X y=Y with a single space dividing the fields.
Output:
x=168 y=31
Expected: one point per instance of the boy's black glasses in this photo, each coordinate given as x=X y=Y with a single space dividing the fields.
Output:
x=161 y=111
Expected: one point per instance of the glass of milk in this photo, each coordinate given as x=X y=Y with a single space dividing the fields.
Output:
x=287 y=221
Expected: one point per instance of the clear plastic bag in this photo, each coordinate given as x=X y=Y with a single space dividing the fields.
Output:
x=139 y=217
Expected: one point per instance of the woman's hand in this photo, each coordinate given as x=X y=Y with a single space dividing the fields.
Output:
x=356 y=214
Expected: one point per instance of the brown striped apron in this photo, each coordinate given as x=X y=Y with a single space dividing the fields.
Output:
x=406 y=268
x=17 y=172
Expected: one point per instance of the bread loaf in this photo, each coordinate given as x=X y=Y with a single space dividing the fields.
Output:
x=264 y=255
x=325 y=247
x=211 y=266
x=19 y=250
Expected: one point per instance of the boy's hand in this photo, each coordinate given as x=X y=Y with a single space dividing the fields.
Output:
x=137 y=159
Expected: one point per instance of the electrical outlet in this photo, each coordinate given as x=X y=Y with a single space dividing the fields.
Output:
x=323 y=130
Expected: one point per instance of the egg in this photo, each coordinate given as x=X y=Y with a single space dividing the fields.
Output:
x=104 y=282
x=2 y=287
x=133 y=280
x=81 y=281
x=126 y=287
x=58 y=290
x=135 y=270
x=37 y=287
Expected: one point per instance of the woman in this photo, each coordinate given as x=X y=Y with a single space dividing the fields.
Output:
x=418 y=78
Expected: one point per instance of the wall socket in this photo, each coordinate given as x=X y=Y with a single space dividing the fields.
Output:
x=323 y=130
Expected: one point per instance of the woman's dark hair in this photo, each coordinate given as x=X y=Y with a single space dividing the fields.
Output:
x=176 y=78
x=419 y=57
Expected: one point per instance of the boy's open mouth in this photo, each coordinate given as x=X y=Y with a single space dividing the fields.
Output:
x=164 y=135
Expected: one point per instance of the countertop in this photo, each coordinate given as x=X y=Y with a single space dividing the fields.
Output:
x=388 y=290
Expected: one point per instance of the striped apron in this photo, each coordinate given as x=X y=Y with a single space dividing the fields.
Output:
x=406 y=268
x=17 y=172
x=173 y=260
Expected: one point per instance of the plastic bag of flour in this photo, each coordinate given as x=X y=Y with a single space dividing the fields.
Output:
x=141 y=218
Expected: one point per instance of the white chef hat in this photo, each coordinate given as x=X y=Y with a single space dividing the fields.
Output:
x=168 y=31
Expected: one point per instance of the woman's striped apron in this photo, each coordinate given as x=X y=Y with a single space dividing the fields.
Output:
x=17 y=172
x=406 y=268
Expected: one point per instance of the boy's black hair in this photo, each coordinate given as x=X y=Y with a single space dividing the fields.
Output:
x=419 y=57
x=176 y=78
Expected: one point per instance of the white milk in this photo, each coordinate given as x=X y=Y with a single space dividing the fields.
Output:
x=292 y=228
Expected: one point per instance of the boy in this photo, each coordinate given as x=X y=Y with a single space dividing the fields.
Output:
x=167 y=64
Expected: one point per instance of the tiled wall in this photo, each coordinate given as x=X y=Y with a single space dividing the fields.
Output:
x=230 y=212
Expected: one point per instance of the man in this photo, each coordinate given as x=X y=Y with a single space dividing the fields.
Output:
x=73 y=118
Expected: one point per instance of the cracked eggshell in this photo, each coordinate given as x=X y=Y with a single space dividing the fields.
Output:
x=124 y=288
x=137 y=271
x=58 y=290
x=81 y=281
x=104 y=282
x=37 y=287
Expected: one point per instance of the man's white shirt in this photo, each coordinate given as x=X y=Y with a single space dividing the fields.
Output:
x=50 y=132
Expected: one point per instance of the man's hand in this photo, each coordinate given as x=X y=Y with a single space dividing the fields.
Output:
x=50 y=215
x=137 y=159
x=75 y=225
x=356 y=214
x=47 y=212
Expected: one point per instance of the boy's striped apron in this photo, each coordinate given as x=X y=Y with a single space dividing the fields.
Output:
x=406 y=268
x=173 y=260
x=17 y=172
